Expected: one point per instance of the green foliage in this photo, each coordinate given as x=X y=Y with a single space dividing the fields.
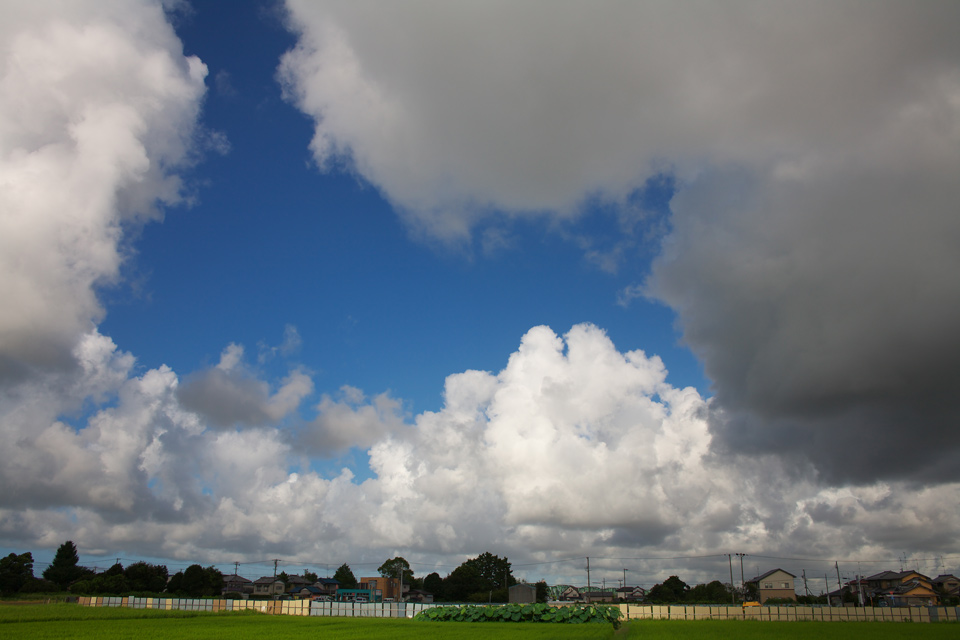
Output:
x=310 y=576
x=714 y=592
x=461 y=582
x=543 y=591
x=392 y=568
x=146 y=577
x=196 y=582
x=345 y=577
x=103 y=584
x=476 y=578
x=673 y=589
x=64 y=569
x=433 y=583
x=780 y=601
x=15 y=572
x=540 y=612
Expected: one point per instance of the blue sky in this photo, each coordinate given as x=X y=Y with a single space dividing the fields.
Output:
x=272 y=241
x=276 y=272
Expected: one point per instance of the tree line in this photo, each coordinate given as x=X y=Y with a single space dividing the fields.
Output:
x=673 y=590
x=485 y=578
x=65 y=573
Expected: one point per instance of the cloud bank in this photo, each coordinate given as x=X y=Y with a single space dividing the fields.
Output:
x=814 y=147
x=98 y=110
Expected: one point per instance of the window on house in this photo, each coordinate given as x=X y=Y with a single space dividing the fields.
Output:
x=768 y=585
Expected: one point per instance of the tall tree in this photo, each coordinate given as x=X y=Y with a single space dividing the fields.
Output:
x=392 y=569
x=673 y=589
x=15 y=572
x=714 y=592
x=543 y=591
x=142 y=576
x=64 y=569
x=433 y=583
x=197 y=581
x=463 y=582
x=494 y=570
x=345 y=577
x=310 y=576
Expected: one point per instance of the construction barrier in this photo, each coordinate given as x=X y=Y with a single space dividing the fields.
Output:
x=629 y=611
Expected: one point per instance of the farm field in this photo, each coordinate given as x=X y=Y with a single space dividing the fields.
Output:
x=66 y=621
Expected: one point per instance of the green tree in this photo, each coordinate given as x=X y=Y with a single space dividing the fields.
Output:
x=433 y=583
x=197 y=582
x=64 y=569
x=310 y=576
x=145 y=577
x=392 y=569
x=462 y=582
x=673 y=589
x=714 y=592
x=494 y=571
x=16 y=571
x=543 y=591
x=344 y=575
x=284 y=578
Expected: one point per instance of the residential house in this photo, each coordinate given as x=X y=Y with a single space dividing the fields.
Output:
x=776 y=583
x=310 y=592
x=635 y=594
x=237 y=584
x=599 y=596
x=570 y=593
x=297 y=582
x=328 y=586
x=268 y=586
x=902 y=589
x=948 y=585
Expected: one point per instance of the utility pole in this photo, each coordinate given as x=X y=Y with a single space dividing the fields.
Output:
x=743 y=585
x=860 y=585
x=588 y=573
x=806 y=591
x=624 y=578
x=236 y=568
x=839 y=583
x=272 y=586
x=826 y=584
x=733 y=591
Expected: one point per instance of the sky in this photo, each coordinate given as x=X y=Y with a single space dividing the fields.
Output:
x=324 y=282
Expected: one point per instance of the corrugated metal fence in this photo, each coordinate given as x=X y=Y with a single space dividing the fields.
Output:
x=825 y=614
x=630 y=611
x=277 y=607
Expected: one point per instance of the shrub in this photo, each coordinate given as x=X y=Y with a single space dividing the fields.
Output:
x=540 y=612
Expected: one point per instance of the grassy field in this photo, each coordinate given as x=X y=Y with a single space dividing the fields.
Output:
x=68 y=621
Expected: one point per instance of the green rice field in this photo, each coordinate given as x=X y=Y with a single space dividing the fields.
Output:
x=70 y=621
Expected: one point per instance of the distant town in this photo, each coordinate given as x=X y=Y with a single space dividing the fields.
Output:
x=486 y=578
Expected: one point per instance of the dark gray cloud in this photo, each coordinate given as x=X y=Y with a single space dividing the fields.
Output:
x=824 y=306
x=230 y=394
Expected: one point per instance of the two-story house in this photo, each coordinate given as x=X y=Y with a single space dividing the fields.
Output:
x=776 y=583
